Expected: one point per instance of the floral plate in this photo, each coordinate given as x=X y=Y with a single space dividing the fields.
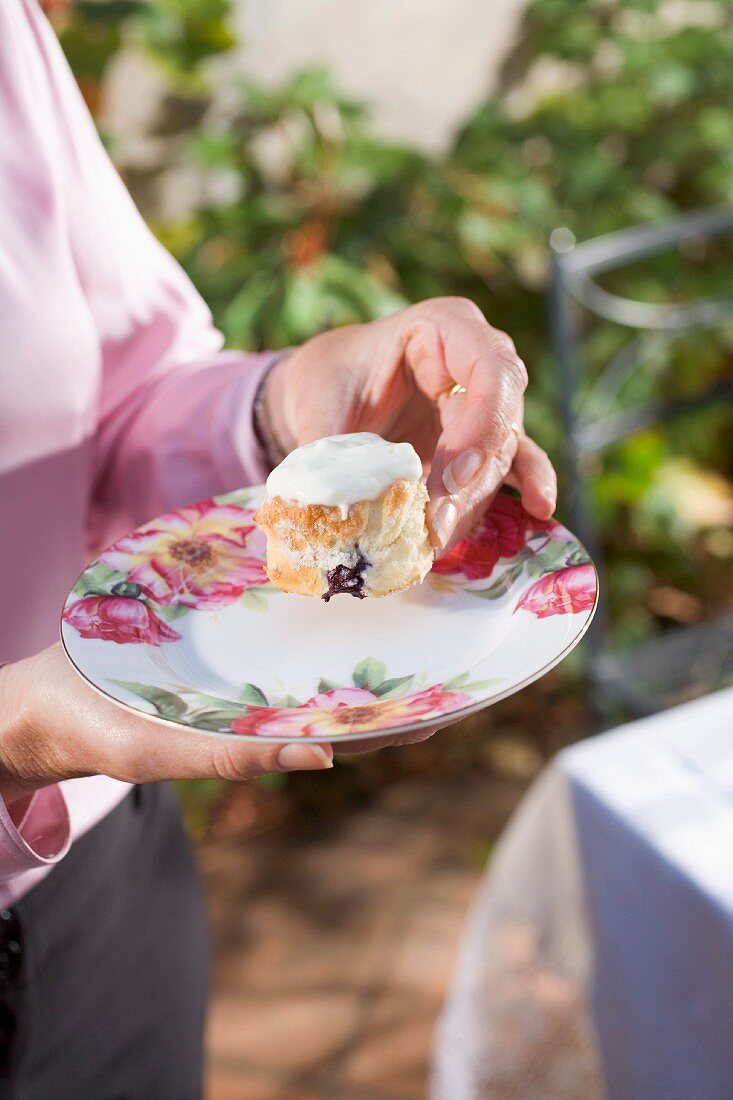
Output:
x=178 y=620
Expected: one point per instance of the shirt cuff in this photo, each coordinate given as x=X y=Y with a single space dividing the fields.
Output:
x=241 y=447
x=38 y=836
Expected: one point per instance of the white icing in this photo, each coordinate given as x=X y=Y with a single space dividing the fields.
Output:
x=343 y=469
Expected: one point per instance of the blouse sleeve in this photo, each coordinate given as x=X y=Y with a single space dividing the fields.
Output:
x=175 y=411
x=34 y=832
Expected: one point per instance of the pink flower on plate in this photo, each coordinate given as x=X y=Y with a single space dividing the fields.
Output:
x=566 y=592
x=501 y=533
x=118 y=619
x=202 y=556
x=345 y=711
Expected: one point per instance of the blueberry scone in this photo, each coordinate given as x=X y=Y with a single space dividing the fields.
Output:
x=347 y=514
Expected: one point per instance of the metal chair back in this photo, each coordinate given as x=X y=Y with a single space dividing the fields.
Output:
x=590 y=431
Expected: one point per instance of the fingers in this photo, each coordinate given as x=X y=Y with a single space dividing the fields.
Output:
x=533 y=475
x=390 y=741
x=451 y=342
x=397 y=740
x=531 y=472
x=478 y=443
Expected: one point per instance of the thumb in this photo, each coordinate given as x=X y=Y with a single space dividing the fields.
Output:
x=145 y=753
x=188 y=755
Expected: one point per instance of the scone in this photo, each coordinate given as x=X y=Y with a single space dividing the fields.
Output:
x=347 y=514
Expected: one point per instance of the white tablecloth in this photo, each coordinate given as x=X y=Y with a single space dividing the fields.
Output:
x=598 y=959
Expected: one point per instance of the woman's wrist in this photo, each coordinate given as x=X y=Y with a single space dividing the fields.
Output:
x=22 y=755
x=269 y=413
x=11 y=786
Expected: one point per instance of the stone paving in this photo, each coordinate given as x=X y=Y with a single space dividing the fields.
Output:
x=333 y=948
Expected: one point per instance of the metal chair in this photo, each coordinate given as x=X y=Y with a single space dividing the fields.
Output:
x=683 y=661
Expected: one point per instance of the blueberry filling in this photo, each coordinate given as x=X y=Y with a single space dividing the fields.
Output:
x=347 y=578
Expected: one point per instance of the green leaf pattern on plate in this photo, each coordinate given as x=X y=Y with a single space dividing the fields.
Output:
x=209 y=712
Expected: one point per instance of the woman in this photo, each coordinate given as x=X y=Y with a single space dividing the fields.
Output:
x=117 y=404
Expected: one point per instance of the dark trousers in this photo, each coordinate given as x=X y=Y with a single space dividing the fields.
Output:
x=106 y=964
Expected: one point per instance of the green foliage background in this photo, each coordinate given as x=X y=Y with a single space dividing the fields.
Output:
x=609 y=113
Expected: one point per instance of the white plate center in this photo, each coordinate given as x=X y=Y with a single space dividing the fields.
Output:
x=298 y=640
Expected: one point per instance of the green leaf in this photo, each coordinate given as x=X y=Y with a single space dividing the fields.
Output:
x=579 y=556
x=500 y=587
x=480 y=685
x=170 y=612
x=557 y=549
x=369 y=674
x=462 y=683
x=215 y=720
x=127 y=589
x=98 y=579
x=327 y=685
x=283 y=701
x=541 y=566
x=557 y=554
x=201 y=700
x=253 y=600
x=245 y=308
x=166 y=703
x=391 y=688
x=456 y=682
x=525 y=554
x=240 y=498
x=253 y=696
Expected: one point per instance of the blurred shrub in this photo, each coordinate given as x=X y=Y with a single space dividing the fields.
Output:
x=608 y=114
x=302 y=244
x=178 y=34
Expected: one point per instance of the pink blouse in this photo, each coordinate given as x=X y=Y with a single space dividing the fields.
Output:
x=116 y=400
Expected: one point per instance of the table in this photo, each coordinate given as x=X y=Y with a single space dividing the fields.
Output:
x=598 y=958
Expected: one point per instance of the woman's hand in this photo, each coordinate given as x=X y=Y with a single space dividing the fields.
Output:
x=53 y=726
x=395 y=377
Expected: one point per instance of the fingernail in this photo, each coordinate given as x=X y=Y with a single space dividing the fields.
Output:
x=462 y=469
x=549 y=494
x=444 y=520
x=303 y=758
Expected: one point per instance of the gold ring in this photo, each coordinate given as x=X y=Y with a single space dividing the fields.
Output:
x=454 y=390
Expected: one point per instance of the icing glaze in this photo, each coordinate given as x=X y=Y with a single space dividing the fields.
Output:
x=343 y=469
